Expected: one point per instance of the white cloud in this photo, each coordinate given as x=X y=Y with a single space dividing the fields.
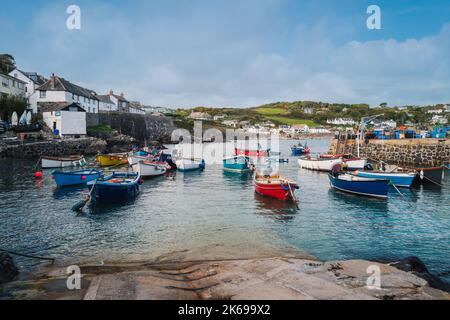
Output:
x=233 y=55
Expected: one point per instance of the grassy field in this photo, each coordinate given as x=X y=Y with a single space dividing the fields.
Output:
x=270 y=111
x=291 y=121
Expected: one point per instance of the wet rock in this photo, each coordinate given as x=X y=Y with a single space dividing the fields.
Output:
x=418 y=268
x=120 y=143
x=96 y=147
x=8 y=270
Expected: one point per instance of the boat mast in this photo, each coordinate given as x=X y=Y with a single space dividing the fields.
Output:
x=362 y=125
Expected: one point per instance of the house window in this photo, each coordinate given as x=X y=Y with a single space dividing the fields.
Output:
x=5 y=82
x=58 y=113
x=89 y=109
x=43 y=94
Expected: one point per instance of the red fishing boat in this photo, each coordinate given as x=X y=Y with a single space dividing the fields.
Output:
x=275 y=187
x=251 y=153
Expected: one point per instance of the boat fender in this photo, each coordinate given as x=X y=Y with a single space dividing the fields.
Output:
x=38 y=175
x=83 y=178
x=284 y=187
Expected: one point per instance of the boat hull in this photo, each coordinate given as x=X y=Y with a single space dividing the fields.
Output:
x=54 y=162
x=316 y=164
x=299 y=151
x=110 y=191
x=149 y=170
x=64 y=179
x=251 y=153
x=433 y=175
x=370 y=188
x=403 y=180
x=277 y=189
x=236 y=164
x=132 y=160
x=111 y=160
x=355 y=164
x=186 y=165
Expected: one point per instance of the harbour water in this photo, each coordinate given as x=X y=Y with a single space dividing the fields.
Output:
x=217 y=215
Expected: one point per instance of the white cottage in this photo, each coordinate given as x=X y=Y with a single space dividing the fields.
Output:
x=11 y=86
x=60 y=90
x=122 y=104
x=32 y=81
x=64 y=118
x=106 y=104
x=136 y=108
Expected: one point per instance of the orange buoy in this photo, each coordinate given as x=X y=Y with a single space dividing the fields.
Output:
x=38 y=175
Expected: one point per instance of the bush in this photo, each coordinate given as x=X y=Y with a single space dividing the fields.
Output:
x=11 y=104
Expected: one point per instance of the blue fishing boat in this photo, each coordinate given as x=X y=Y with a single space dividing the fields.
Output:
x=119 y=187
x=75 y=178
x=398 y=179
x=300 y=150
x=237 y=164
x=377 y=188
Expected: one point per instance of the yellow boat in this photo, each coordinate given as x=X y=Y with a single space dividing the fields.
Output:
x=108 y=160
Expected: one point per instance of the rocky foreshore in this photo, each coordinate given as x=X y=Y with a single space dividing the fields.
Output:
x=252 y=279
x=62 y=147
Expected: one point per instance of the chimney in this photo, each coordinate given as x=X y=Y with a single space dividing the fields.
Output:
x=53 y=80
x=110 y=92
x=122 y=95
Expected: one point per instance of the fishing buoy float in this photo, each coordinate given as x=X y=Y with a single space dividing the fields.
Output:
x=38 y=175
x=83 y=178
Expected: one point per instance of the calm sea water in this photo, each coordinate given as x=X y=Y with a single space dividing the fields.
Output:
x=213 y=215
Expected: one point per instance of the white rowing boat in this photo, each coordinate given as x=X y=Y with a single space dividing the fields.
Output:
x=318 y=164
x=62 y=162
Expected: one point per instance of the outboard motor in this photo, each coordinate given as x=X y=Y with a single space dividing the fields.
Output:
x=336 y=170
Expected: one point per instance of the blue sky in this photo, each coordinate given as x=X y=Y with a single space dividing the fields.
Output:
x=238 y=52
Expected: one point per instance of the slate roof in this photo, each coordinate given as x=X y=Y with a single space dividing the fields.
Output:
x=120 y=98
x=57 y=106
x=12 y=78
x=61 y=84
x=36 y=78
x=105 y=99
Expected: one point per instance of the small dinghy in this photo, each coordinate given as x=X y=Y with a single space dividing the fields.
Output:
x=398 y=179
x=376 y=188
x=62 y=162
x=318 y=164
x=119 y=187
x=239 y=164
x=109 y=160
x=275 y=187
x=141 y=155
x=350 y=161
x=186 y=165
x=251 y=153
x=75 y=178
x=300 y=150
x=148 y=169
x=429 y=175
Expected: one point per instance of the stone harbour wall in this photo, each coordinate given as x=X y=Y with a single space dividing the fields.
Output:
x=53 y=148
x=144 y=128
x=417 y=152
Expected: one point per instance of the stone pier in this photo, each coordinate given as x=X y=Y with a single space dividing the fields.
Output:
x=416 y=152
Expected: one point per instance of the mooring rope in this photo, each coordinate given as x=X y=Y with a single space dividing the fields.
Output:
x=27 y=255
